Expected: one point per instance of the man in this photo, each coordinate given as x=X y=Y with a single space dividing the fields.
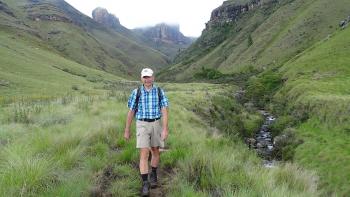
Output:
x=149 y=104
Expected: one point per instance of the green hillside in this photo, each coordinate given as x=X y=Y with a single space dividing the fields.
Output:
x=30 y=69
x=63 y=94
x=267 y=35
x=77 y=37
x=302 y=56
x=318 y=85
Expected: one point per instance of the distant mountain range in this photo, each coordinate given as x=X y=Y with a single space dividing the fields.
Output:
x=162 y=37
x=102 y=43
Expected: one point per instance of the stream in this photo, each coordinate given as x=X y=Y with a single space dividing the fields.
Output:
x=263 y=141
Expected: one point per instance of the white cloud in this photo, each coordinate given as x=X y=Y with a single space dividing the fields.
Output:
x=191 y=15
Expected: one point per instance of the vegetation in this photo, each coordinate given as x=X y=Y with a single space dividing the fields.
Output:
x=208 y=73
x=62 y=122
x=279 y=31
x=57 y=26
x=261 y=87
x=311 y=103
x=250 y=40
x=316 y=92
x=74 y=146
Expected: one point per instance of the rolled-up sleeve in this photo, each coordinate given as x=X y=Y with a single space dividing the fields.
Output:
x=164 y=102
x=132 y=100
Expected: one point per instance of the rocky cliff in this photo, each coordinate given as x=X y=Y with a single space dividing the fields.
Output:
x=102 y=16
x=230 y=11
x=164 y=38
x=164 y=33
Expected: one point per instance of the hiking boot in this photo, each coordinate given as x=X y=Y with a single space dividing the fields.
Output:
x=153 y=180
x=145 y=188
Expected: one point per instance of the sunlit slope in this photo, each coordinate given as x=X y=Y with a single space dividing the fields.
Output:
x=78 y=37
x=27 y=68
x=318 y=88
x=263 y=37
x=320 y=78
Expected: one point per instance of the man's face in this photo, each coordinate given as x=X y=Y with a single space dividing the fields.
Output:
x=147 y=81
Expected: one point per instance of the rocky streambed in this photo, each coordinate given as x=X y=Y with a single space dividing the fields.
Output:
x=263 y=141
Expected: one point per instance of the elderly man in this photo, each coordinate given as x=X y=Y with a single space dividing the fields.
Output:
x=148 y=104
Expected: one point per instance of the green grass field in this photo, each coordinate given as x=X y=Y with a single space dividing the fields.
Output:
x=66 y=146
x=318 y=86
x=61 y=122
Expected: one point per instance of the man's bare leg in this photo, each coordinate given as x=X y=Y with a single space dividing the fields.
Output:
x=144 y=152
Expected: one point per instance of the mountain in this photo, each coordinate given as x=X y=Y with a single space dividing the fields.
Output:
x=102 y=16
x=258 y=33
x=165 y=38
x=61 y=28
x=293 y=57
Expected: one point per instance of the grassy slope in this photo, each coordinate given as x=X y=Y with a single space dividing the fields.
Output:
x=278 y=33
x=73 y=146
x=30 y=69
x=318 y=79
x=82 y=40
x=318 y=84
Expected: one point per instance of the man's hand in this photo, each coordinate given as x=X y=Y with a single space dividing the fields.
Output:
x=129 y=118
x=127 y=134
x=165 y=133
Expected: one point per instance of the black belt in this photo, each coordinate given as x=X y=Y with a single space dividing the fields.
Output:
x=148 y=120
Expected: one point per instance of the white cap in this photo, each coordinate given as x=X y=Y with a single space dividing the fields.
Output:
x=146 y=72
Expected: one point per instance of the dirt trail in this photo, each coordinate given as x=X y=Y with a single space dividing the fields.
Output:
x=105 y=179
x=107 y=176
x=164 y=176
x=163 y=181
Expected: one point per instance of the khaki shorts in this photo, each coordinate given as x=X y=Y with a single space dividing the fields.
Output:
x=148 y=134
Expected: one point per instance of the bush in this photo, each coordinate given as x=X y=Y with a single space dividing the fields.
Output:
x=75 y=87
x=285 y=144
x=281 y=123
x=261 y=88
x=208 y=73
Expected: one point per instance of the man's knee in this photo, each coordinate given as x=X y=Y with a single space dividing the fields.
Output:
x=155 y=151
x=144 y=153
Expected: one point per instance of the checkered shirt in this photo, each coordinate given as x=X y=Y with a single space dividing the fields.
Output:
x=149 y=106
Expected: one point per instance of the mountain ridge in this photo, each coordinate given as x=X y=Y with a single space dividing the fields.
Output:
x=79 y=38
x=162 y=37
x=268 y=35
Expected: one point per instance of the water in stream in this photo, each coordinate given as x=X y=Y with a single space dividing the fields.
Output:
x=263 y=141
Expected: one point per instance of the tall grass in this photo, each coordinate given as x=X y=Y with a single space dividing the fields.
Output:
x=69 y=135
x=208 y=164
x=73 y=146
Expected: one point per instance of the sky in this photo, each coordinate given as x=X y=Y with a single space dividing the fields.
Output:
x=191 y=15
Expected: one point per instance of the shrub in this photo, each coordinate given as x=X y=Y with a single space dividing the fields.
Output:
x=75 y=87
x=208 y=73
x=261 y=88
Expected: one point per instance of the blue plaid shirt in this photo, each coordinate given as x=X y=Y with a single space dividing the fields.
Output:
x=149 y=105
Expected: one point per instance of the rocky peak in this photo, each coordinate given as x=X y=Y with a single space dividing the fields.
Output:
x=230 y=11
x=101 y=15
x=165 y=33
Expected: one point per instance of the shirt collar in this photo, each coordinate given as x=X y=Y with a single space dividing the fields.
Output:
x=153 y=87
